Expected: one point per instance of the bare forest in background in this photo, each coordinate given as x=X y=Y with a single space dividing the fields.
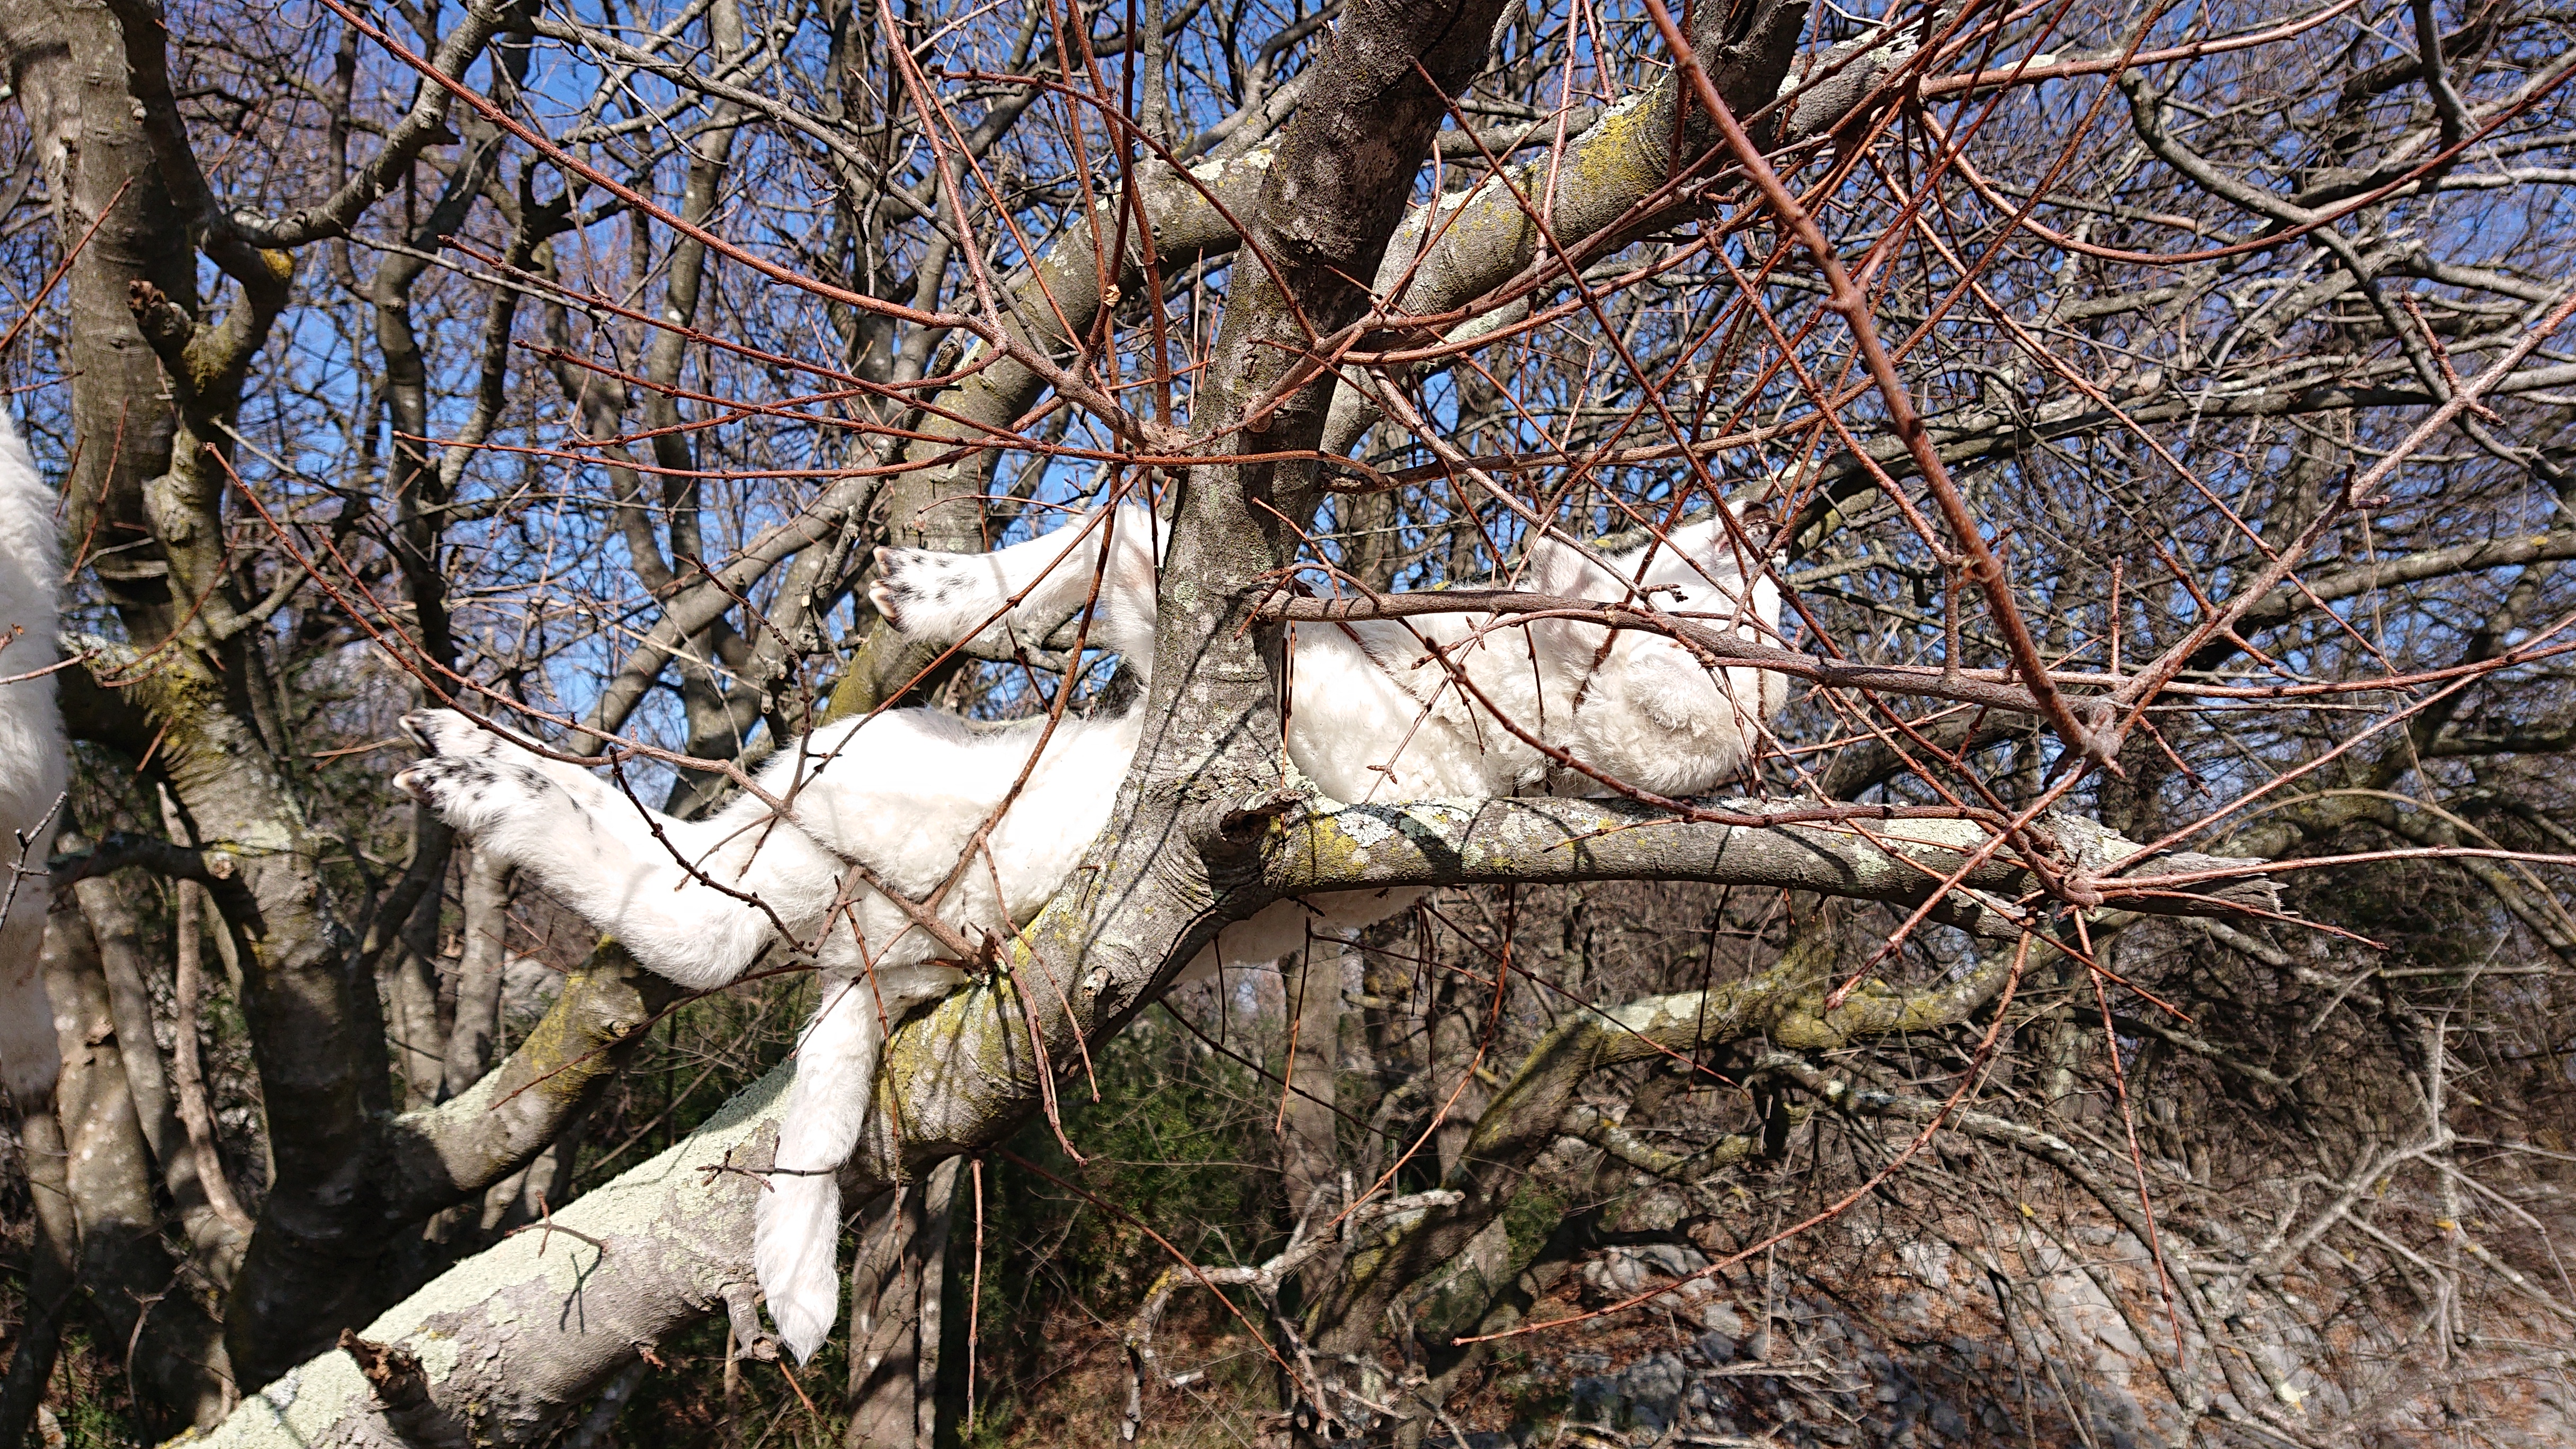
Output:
x=2129 y=1001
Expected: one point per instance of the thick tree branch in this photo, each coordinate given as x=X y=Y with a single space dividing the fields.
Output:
x=1786 y=1001
x=1857 y=852
x=960 y=1076
x=509 y=1341
x=440 y=1156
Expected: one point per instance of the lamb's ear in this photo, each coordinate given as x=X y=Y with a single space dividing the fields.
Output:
x=1704 y=541
x=1553 y=567
x=1714 y=548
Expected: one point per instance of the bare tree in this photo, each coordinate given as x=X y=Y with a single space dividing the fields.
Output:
x=2156 y=419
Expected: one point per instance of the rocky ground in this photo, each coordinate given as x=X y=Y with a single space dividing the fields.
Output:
x=1999 y=1335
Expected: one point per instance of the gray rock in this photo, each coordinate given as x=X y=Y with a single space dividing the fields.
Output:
x=529 y=986
x=1928 y=1261
x=1657 y=1381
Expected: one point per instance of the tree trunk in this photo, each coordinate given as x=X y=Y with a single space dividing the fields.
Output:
x=896 y=1321
x=1310 y=1158
x=63 y=58
x=218 y=1236
x=477 y=1032
x=138 y=1299
x=1463 y=1016
x=51 y=1276
x=316 y=1032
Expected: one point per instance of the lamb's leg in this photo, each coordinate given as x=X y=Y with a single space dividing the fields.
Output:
x=446 y=732
x=645 y=832
x=691 y=923
x=797 y=1225
x=950 y=597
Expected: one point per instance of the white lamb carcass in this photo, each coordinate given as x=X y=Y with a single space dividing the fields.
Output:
x=904 y=793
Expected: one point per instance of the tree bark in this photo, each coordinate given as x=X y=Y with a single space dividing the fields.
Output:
x=896 y=1291
x=52 y=1278
x=316 y=1030
x=511 y=1340
x=1461 y=1015
x=214 y=1222
x=1326 y=845
x=1310 y=1160
x=61 y=59
x=411 y=1021
x=474 y=1037
x=318 y=1043
x=140 y=1303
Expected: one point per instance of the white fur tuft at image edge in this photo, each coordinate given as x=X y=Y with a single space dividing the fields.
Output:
x=33 y=768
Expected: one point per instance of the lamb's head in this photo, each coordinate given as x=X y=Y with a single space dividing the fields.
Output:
x=1650 y=712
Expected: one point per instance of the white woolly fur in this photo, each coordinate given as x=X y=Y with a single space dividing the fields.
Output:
x=34 y=765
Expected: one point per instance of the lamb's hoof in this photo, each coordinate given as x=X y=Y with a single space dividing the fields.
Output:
x=910 y=581
x=472 y=793
x=887 y=593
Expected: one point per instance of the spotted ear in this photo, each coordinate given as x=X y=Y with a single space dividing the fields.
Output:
x=1760 y=515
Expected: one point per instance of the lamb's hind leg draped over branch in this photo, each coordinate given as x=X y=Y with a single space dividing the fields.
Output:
x=797 y=1226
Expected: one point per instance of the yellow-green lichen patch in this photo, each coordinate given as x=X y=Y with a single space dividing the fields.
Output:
x=564 y=1048
x=1620 y=156
x=1874 y=1008
x=968 y=1034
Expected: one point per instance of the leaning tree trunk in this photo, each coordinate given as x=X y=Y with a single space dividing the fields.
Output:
x=898 y=1288
x=130 y=1284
